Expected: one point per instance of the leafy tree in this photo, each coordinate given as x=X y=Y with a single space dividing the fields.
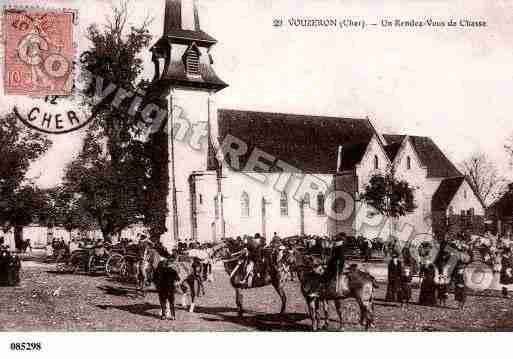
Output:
x=121 y=179
x=20 y=202
x=389 y=196
x=66 y=209
x=112 y=195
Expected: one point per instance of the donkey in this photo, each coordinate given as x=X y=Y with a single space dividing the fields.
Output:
x=317 y=293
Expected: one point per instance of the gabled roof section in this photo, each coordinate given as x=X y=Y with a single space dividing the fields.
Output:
x=392 y=150
x=445 y=193
x=437 y=164
x=309 y=143
x=352 y=155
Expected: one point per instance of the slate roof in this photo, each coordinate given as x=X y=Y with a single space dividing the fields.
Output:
x=438 y=165
x=445 y=193
x=309 y=143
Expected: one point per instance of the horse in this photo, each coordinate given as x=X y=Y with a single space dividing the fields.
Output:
x=204 y=262
x=353 y=284
x=145 y=266
x=268 y=273
x=287 y=262
x=184 y=273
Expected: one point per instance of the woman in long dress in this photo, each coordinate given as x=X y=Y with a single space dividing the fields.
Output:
x=428 y=272
x=394 y=278
x=459 y=284
x=506 y=274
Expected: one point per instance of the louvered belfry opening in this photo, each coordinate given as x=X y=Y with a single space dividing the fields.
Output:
x=192 y=62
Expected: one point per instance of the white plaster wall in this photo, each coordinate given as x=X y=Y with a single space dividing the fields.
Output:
x=365 y=169
x=8 y=238
x=235 y=183
x=459 y=202
x=420 y=220
x=190 y=116
x=367 y=222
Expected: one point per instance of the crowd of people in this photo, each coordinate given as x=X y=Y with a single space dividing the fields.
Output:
x=435 y=280
x=447 y=268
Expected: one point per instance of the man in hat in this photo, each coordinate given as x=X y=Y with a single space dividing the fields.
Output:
x=275 y=241
x=254 y=265
x=336 y=262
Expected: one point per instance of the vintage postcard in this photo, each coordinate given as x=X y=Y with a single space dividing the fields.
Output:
x=276 y=166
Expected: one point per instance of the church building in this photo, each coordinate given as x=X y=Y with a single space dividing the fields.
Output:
x=236 y=172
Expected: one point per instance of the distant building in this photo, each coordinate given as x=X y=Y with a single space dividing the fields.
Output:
x=500 y=213
x=40 y=236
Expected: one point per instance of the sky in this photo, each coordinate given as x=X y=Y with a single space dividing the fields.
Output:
x=451 y=84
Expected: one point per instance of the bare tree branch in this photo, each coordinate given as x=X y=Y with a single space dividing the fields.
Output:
x=484 y=177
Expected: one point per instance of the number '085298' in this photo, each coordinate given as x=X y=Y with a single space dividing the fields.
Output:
x=26 y=346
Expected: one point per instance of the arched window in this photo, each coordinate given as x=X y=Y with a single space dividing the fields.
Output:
x=306 y=200
x=216 y=207
x=465 y=194
x=284 y=204
x=244 y=204
x=408 y=162
x=376 y=162
x=320 y=204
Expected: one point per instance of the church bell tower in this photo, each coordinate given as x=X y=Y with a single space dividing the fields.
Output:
x=184 y=73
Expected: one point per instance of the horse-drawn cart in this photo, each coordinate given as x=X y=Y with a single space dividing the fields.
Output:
x=121 y=261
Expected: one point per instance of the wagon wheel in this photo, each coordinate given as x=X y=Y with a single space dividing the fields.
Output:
x=115 y=265
x=91 y=264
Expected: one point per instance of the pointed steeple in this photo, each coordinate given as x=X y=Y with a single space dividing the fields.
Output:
x=181 y=22
x=184 y=49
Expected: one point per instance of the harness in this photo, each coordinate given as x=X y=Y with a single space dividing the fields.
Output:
x=236 y=257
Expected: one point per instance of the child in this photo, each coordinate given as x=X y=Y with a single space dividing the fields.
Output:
x=459 y=285
x=404 y=295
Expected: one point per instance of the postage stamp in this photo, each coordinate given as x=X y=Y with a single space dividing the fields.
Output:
x=39 y=51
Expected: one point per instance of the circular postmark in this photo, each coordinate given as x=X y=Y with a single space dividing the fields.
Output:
x=51 y=114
